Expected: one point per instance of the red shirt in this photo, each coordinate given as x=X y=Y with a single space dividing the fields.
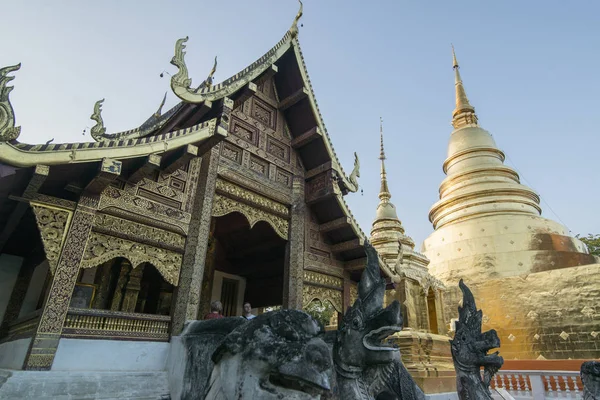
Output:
x=213 y=315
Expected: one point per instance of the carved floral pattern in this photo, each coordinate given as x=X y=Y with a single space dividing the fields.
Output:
x=224 y=205
x=52 y=224
x=138 y=232
x=101 y=248
x=311 y=293
x=322 y=279
x=251 y=197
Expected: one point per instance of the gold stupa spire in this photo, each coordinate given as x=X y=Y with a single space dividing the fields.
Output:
x=384 y=192
x=464 y=113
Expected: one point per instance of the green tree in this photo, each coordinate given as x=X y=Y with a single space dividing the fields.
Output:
x=322 y=311
x=592 y=242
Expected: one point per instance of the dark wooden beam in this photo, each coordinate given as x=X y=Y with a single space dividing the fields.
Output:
x=244 y=94
x=337 y=223
x=355 y=265
x=151 y=164
x=180 y=158
x=317 y=170
x=292 y=99
x=40 y=174
x=306 y=137
x=108 y=171
x=200 y=111
x=348 y=245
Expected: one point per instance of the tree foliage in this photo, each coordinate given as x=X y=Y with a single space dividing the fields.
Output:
x=322 y=311
x=592 y=242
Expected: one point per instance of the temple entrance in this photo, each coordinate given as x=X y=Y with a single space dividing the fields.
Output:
x=244 y=264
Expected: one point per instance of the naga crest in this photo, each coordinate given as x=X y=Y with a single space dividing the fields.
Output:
x=366 y=324
x=8 y=130
x=590 y=376
x=470 y=350
x=98 y=130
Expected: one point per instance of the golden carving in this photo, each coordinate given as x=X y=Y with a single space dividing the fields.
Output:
x=101 y=248
x=252 y=198
x=52 y=224
x=322 y=279
x=224 y=205
x=310 y=293
x=135 y=231
x=8 y=130
x=353 y=293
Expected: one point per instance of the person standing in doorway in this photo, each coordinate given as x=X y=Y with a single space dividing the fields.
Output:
x=216 y=308
x=248 y=311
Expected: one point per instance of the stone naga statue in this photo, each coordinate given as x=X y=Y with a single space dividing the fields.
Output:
x=365 y=367
x=590 y=376
x=277 y=355
x=469 y=351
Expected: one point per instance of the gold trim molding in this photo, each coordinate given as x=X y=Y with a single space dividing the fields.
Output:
x=322 y=279
x=237 y=192
x=310 y=293
x=53 y=225
x=223 y=205
x=101 y=248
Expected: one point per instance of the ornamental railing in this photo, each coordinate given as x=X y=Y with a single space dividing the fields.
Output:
x=104 y=324
x=539 y=385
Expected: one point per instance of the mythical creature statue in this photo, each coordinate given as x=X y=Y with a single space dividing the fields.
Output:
x=590 y=376
x=365 y=367
x=8 y=130
x=277 y=355
x=98 y=130
x=469 y=351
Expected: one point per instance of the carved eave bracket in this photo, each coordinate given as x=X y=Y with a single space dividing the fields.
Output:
x=150 y=165
x=53 y=223
x=108 y=171
x=8 y=130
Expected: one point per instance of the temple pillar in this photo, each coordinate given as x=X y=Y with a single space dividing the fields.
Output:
x=294 y=251
x=187 y=296
x=209 y=272
x=132 y=289
x=47 y=334
x=101 y=301
x=117 y=300
x=346 y=298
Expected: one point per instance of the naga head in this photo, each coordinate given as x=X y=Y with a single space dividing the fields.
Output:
x=274 y=356
x=470 y=346
x=366 y=324
x=590 y=377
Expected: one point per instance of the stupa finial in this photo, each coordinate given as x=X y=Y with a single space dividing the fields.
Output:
x=464 y=113
x=384 y=192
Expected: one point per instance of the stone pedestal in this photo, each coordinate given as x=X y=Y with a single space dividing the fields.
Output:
x=428 y=359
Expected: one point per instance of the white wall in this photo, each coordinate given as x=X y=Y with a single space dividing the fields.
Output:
x=110 y=355
x=218 y=282
x=9 y=270
x=12 y=354
x=35 y=288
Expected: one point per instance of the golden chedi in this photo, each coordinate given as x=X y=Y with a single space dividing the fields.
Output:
x=423 y=344
x=537 y=285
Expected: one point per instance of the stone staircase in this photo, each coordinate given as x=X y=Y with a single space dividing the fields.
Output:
x=83 y=385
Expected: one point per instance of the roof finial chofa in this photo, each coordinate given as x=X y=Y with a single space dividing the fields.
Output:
x=8 y=130
x=464 y=113
x=294 y=28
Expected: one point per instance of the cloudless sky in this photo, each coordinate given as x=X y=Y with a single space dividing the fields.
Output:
x=530 y=68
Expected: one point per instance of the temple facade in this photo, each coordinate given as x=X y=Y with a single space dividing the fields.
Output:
x=235 y=194
x=538 y=285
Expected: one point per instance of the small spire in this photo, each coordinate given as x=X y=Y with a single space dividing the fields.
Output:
x=464 y=113
x=384 y=192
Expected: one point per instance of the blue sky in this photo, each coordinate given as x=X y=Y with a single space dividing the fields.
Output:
x=531 y=69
